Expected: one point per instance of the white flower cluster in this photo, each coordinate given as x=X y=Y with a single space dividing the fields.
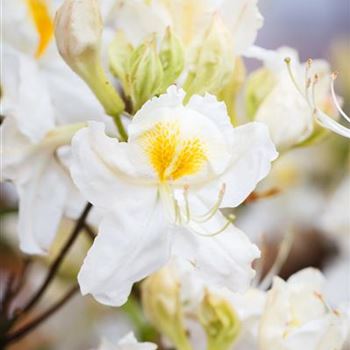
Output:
x=133 y=109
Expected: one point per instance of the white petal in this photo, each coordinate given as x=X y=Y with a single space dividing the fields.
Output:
x=42 y=187
x=286 y=114
x=132 y=243
x=252 y=154
x=244 y=20
x=41 y=205
x=25 y=95
x=146 y=117
x=106 y=172
x=129 y=342
x=224 y=259
x=216 y=111
x=18 y=27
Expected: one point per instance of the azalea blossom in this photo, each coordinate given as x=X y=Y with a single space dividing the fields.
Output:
x=158 y=193
x=36 y=86
x=129 y=342
x=286 y=103
x=297 y=316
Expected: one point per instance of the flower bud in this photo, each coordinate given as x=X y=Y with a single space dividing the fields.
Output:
x=162 y=305
x=119 y=53
x=219 y=321
x=78 y=31
x=259 y=85
x=172 y=58
x=146 y=72
x=212 y=62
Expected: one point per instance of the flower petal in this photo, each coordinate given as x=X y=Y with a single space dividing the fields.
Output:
x=252 y=153
x=41 y=205
x=25 y=97
x=224 y=259
x=244 y=20
x=106 y=172
x=132 y=243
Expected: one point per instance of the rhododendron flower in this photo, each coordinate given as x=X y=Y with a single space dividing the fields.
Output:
x=162 y=190
x=297 y=316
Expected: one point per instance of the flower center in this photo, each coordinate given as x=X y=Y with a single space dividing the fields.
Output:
x=171 y=155
x=43 y=23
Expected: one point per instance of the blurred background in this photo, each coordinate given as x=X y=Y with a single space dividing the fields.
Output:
x=314 y=203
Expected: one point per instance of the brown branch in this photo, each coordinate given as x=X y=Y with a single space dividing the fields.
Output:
x=23 y=331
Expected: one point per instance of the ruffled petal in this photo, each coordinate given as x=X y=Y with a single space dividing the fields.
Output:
x=224 y=258
x=107 y=172
x=252 y=154
x=132 y=243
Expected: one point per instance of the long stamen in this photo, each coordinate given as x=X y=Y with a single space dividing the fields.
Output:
x=208 y=215
x=335 y=99
x=308 y=80
x=231 y=218
x=281 y=258
x=292 y=77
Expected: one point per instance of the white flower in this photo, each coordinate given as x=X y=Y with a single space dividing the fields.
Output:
x=301 y=95
x=158 y=193
x=284 y=109
x=128 y=342
x=43 y=104
x=296 y=316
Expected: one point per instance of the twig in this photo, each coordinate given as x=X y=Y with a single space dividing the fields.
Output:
x=15 y=336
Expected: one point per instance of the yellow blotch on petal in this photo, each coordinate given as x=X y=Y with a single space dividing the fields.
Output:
x=43 y=23
x=171 y=156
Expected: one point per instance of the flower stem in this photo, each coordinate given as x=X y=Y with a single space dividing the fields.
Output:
x=23 y=331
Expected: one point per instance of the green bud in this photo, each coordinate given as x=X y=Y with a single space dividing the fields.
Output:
x=162 y=305
x=145 y=73
x=212 y=62
x=172 y=58
x=260 y=83
x=220 y=322
x=119 y=52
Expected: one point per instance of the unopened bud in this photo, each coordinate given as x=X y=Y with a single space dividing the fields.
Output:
x=78 y=31
x=172 y=58
x=146 y=73
x=119 y=53
x=212 y=62
x=219 y=321
x=162 y=305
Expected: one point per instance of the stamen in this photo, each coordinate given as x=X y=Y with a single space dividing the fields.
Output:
x=307 y=79
x=208 y=215
x=230 y=219
x=290 y=72
x=335 y=99
x=281 y=258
